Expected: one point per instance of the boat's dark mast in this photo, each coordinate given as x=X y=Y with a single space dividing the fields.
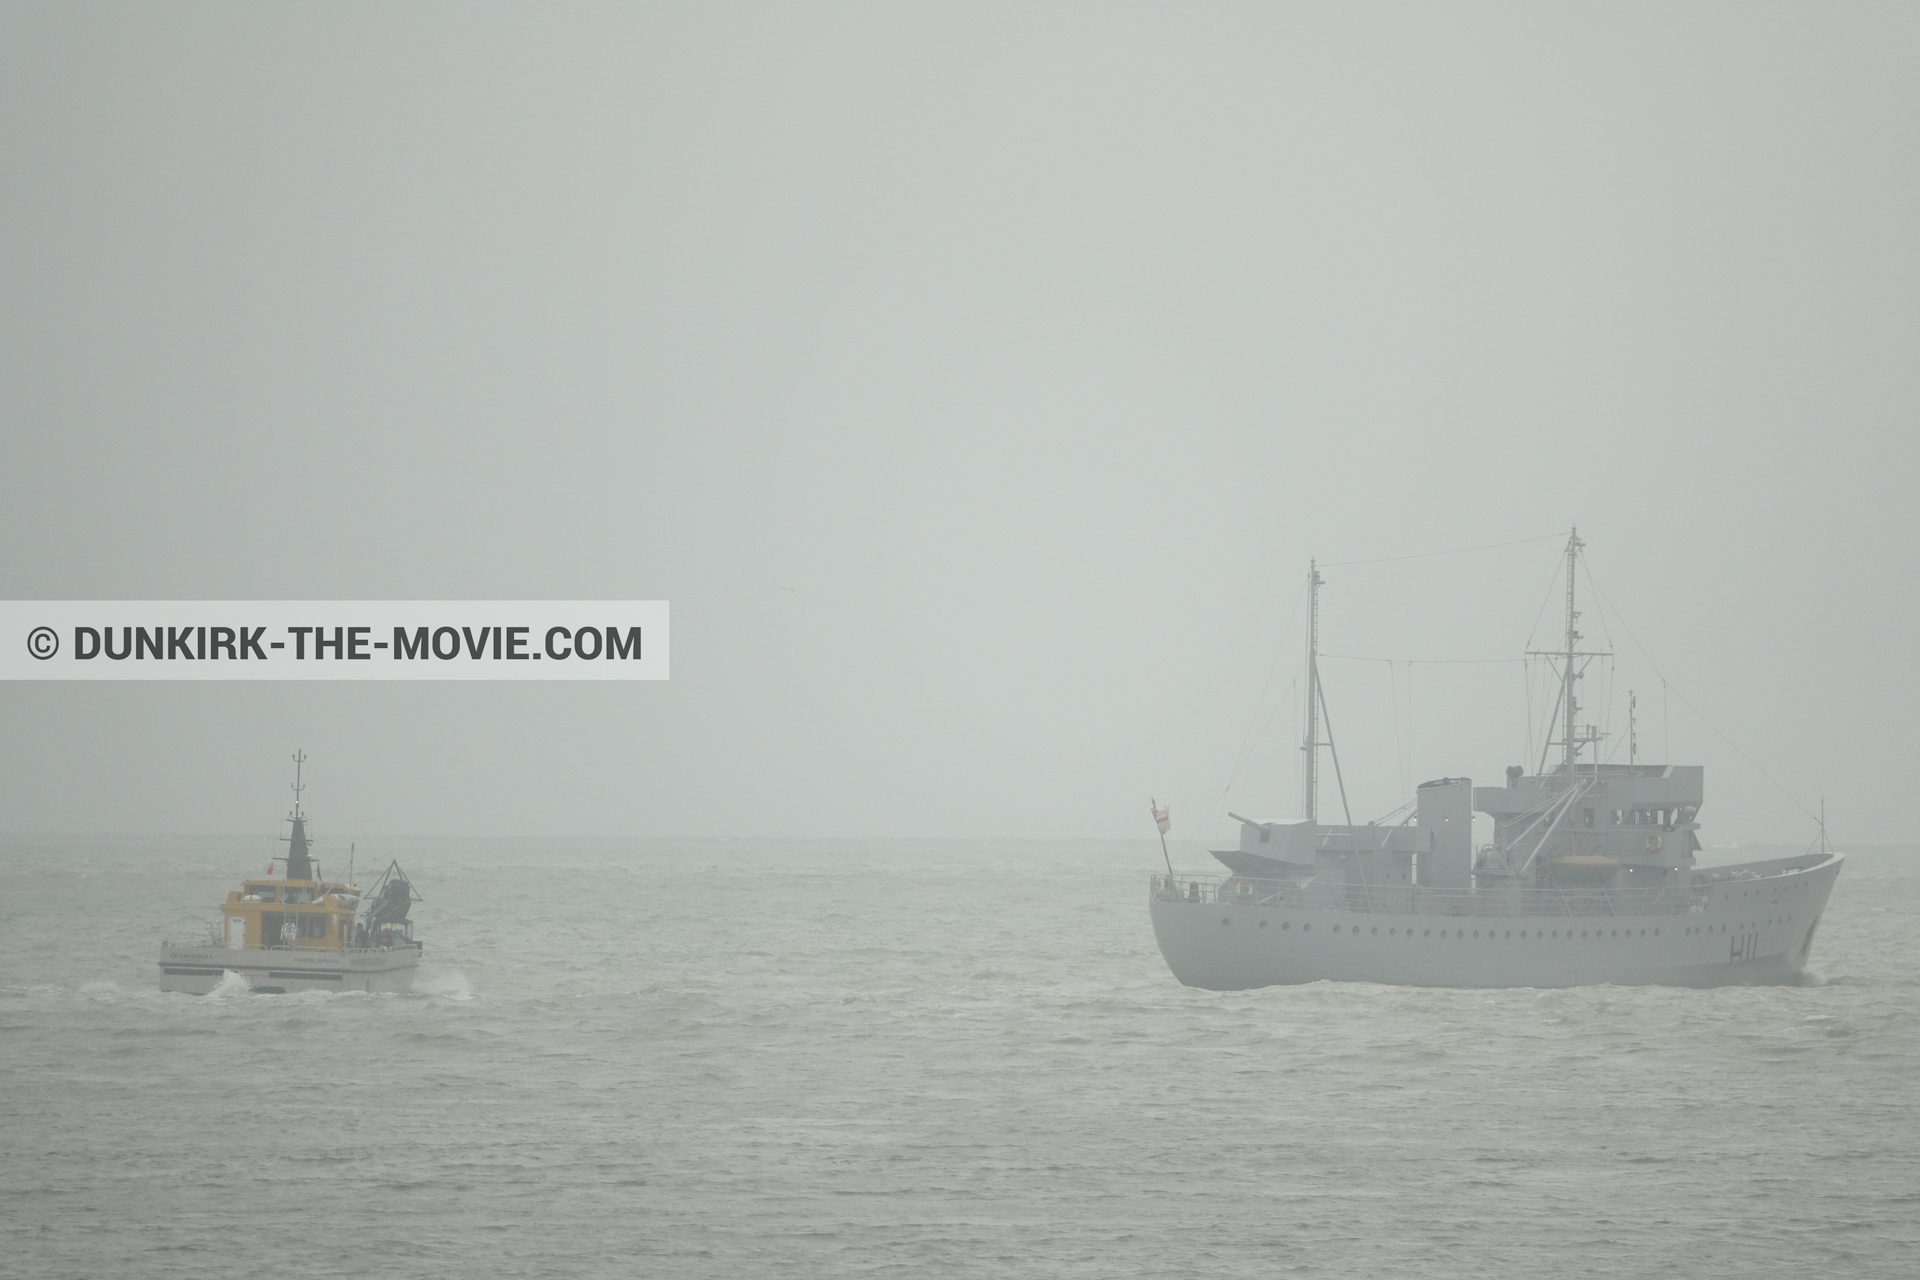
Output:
x=299 y=865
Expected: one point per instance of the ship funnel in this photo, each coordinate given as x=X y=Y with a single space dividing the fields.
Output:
x=1445 y=807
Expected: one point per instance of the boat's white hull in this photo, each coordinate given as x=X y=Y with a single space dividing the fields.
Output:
x=1736 y=931
x=198 y=970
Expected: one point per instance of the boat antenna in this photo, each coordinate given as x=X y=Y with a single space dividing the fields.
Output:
x=298 y=865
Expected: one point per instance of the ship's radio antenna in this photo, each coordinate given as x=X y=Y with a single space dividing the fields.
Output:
x=298 y=865
x=299 y=761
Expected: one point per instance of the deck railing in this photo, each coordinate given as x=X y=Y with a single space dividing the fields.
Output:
x=202 y=944
x=1513 y=898
x=1415 y=900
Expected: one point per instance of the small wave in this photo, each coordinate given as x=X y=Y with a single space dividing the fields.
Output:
x=448 y=984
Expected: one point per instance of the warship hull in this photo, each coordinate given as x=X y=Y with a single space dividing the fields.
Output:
x=1743 y=924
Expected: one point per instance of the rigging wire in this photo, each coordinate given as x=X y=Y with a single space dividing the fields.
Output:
x=1544 y=601
x=1393 y=700
x=1279 y=650
x=1666 y=686
x=1392 y=697
x=1612 y=668
x=1249 y=739
x=1526 y=681
x=1457 y=551
x=1431 y=662
x=1391 y=814
x=1406 y=777
x=1290 y=702
x=1532 y=632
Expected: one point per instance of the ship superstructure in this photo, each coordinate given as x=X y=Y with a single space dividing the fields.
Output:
x=1590 y=877
x=301 y=932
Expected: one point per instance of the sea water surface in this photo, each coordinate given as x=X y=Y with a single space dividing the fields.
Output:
x=934 y=1058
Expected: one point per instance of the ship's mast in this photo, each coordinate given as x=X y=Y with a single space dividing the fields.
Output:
x=1317 y=708
x=1311 y=745
x=1568 y=704
x=1573 y=615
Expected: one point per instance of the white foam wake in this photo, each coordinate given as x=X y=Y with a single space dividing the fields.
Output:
x=231 y=984
x=449 y=984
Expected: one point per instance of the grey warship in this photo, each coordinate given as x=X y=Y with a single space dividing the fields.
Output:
x=1591 y=877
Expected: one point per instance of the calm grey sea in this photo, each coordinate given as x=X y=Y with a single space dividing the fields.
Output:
x=918 y=1059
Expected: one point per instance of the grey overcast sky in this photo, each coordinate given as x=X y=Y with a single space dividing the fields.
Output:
x=976 y=382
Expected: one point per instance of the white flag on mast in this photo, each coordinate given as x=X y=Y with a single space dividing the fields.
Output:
x=1160 y=819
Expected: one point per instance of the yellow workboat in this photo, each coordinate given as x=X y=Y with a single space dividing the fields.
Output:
x=301 y=932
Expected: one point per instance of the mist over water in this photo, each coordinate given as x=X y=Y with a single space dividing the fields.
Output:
x=931 y=1058
x=977 y=384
